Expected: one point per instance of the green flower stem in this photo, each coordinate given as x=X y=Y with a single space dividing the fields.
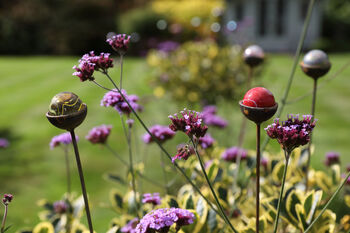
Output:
x=328 y=203
x=160 y=145
x=137 y=172
x=287 y=155
x=313 y=106
x=162 y=164
x=127 y=133
x=121 y=71
x=211 y=187
x=4 y=219
x=82 y=182
x=257 y=177
x=295 y=63
x=67 y=169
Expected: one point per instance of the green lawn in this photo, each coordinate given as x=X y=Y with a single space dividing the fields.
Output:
x=31 y=171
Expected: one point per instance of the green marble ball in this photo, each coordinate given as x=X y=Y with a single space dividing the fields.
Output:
x=65 y=103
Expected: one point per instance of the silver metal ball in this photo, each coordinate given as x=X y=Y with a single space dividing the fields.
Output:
x=316 y=58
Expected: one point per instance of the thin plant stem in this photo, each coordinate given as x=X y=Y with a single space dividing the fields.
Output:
x=4 y=219
x=159 y=144
x=127 y=133
x=295 y=63
x=67 y=169
x=82 y=182
x=328 y=203
x=211 y=187
x=121 y=71
x=162 y=164
x=257 y=177
x=137 y=172
x=287 y=155
x=313 y=106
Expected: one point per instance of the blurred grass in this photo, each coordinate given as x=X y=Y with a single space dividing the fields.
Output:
x=31 y=171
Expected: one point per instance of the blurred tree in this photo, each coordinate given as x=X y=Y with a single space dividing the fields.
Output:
x=55 y=26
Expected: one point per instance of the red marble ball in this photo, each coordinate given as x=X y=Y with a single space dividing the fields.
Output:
x=259 y=97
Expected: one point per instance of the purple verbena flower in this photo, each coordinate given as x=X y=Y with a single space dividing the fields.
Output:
x=160 y=132
x=206 y=142
x=60 y=207
x=84 y=70
x=183 y=152
x=161 y=220
x=114 y=99
x=291 y=133
x=231 y=154
x=210 y=118
x=264 y=162
x=99 y=134
x=130 y=227
x=189 y=122
x=7 y=199
x=153 y=199
x=4 y=143
x=120 y=43
x=64 y=138
x=130 y=123
x=332 y=158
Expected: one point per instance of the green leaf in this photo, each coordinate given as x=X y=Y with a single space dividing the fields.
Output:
x=189 y=203
x=173 y=203
x=301 y=216
x=116 y=199
x=222 y=193
x=316 y=199
x=212 y=221
x=115 y=178
x=291 y=201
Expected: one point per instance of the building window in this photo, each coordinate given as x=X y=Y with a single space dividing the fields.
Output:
x=280 y=17
x=262 y=17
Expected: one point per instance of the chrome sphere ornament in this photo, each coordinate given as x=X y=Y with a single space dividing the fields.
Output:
x=66 y=111
x=253 y=55
x=315 y=64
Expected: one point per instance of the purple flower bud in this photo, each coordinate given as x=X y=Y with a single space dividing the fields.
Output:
x=151 y=198
x=99 y=134
x=7 y=199
x=60 y=207
x=130 y=122
x=332 y=158
x=130 y=227
x=4 y=143
x=161 y=133
x=231 y=154
x=183 y=152
x=120 y=43
x=64 y=138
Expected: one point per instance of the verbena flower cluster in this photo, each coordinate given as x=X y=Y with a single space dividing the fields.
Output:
x=99 y=134
x=189 y=122
x=162 y=219
x=206 y=142
x=4 y=143
x=332 y=158
x=114 y=99
x=60 y=207
x=64 y=138
x=183 y=152
x=120 y=43
x=7 y=199
x=231 y=154
x=130 y=227
x=160 y=132
x=153 y=199
x=293 y=132
x=210 y=118
x=89 y=63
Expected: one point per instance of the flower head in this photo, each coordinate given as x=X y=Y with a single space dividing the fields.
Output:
x=151 y=198
x=99 y=134
x=130 y=227
x=64 y=138
x=332 y=158
x=231 y=154
x=293 y=132
x=120 y=43
x=161 y=220
x=114 y=99
x=210 y=118
x=89 y=63
x=206 y=142
x=7 y=199
x=4 y=143
x=183 y=152
x=189 y=122
x=161 y=133
x=60 y=207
